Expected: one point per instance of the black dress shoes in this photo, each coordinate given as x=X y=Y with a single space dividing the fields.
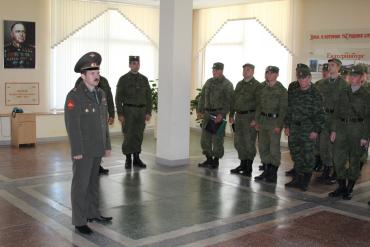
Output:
x=84 y=229
x=100 y=219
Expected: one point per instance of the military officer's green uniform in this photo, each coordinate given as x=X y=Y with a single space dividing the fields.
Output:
x=134 y=102
x=244 y=106
x=329 y=90
x=216 y=97
x=270 y=114
x=103 y=84
x=87 y=128
x=305 y=116
x=351 y=125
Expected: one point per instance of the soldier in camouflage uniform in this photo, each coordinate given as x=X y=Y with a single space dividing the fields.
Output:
x=85 y=113
x=270 y=115
x=103 y=84
x=134 y=107
x=329 y=90
x=350 y=133
x=304 y=121
x=214 y=105
x=244 y=110
x=293 y=85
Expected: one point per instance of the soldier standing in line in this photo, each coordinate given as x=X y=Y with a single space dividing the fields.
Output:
x=329 y=90
x=103 y=84
x=293 y=85
x=134 y=107
x=214 y=105
x=304 y=121
x=270 y=114
x=244 y=110
x=86 y=123
x=350 y=133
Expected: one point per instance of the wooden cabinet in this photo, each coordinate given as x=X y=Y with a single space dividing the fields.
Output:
x=23 y=129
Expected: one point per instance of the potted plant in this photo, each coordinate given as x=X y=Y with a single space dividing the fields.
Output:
x=194 y=104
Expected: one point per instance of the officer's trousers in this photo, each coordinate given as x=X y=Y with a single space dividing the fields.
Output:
x=269 y=146
x=245 y=137
x=348 y=151
x=85 y=190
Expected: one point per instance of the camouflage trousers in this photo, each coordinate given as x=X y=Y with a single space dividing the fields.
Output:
x=212 y=144
x=326 y=148
x=133 y=129
x=269 y=146
x=245 y=137
x=348 y=151
x=301 y=149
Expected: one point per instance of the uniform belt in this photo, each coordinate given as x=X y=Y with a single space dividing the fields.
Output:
x=132 y=105
x=271 y=115
x=212 y=109
x=351 y=120
x=245 y=112
x=328 y=110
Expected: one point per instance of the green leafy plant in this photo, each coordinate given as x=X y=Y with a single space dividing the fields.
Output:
x=194 y=103
x=154 y=91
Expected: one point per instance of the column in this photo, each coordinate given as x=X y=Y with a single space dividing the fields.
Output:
x=173 y=120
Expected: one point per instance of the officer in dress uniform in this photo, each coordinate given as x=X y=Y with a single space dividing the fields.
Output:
x=103 y=84
x=134 y=107
x=87 y=127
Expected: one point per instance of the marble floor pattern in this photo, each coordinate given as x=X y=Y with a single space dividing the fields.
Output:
x=178 y=206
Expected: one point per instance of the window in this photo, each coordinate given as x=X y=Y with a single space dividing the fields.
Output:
x=246 y=41
x=115 y=38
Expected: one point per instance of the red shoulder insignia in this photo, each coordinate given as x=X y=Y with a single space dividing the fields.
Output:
x=70 y=104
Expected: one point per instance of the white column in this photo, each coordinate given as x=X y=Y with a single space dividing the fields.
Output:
x=173 y=120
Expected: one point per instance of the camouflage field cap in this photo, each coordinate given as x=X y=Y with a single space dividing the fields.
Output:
x=301 y=66
x=335 y=60
x=272 y=69
x=325 y=67
x=89 y=61
x=249 y=65
x=303 y=73
x=218 y=66
x=133 y=59
x=358 y=69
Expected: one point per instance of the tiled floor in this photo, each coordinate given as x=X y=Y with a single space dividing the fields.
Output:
x=182 y=206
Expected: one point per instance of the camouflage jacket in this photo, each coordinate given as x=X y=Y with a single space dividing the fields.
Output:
x=305 y=109
x=246 y=96
x=133 y=89
x=216 y=96
x=273 y=100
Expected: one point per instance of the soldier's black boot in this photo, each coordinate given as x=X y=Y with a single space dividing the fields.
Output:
x=349 y=189
x=304 y=181
x=318 y=163
x=291 y=172
x=247 y=171
x=264 y=174
x=207 y=162
x=240 y=168
x=272 y=174
x=340 y=190
x=128 y=162
x=137 y=161
x=103 y=171
x=294 y=183
x=215 y=163
x=325 y=174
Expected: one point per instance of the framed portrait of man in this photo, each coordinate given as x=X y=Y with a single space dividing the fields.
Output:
x=19 y=44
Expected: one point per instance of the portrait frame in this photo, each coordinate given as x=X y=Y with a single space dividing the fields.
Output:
x=19 y=44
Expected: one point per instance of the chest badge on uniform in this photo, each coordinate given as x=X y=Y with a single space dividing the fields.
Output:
x=86 y=110
x=70 y=104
